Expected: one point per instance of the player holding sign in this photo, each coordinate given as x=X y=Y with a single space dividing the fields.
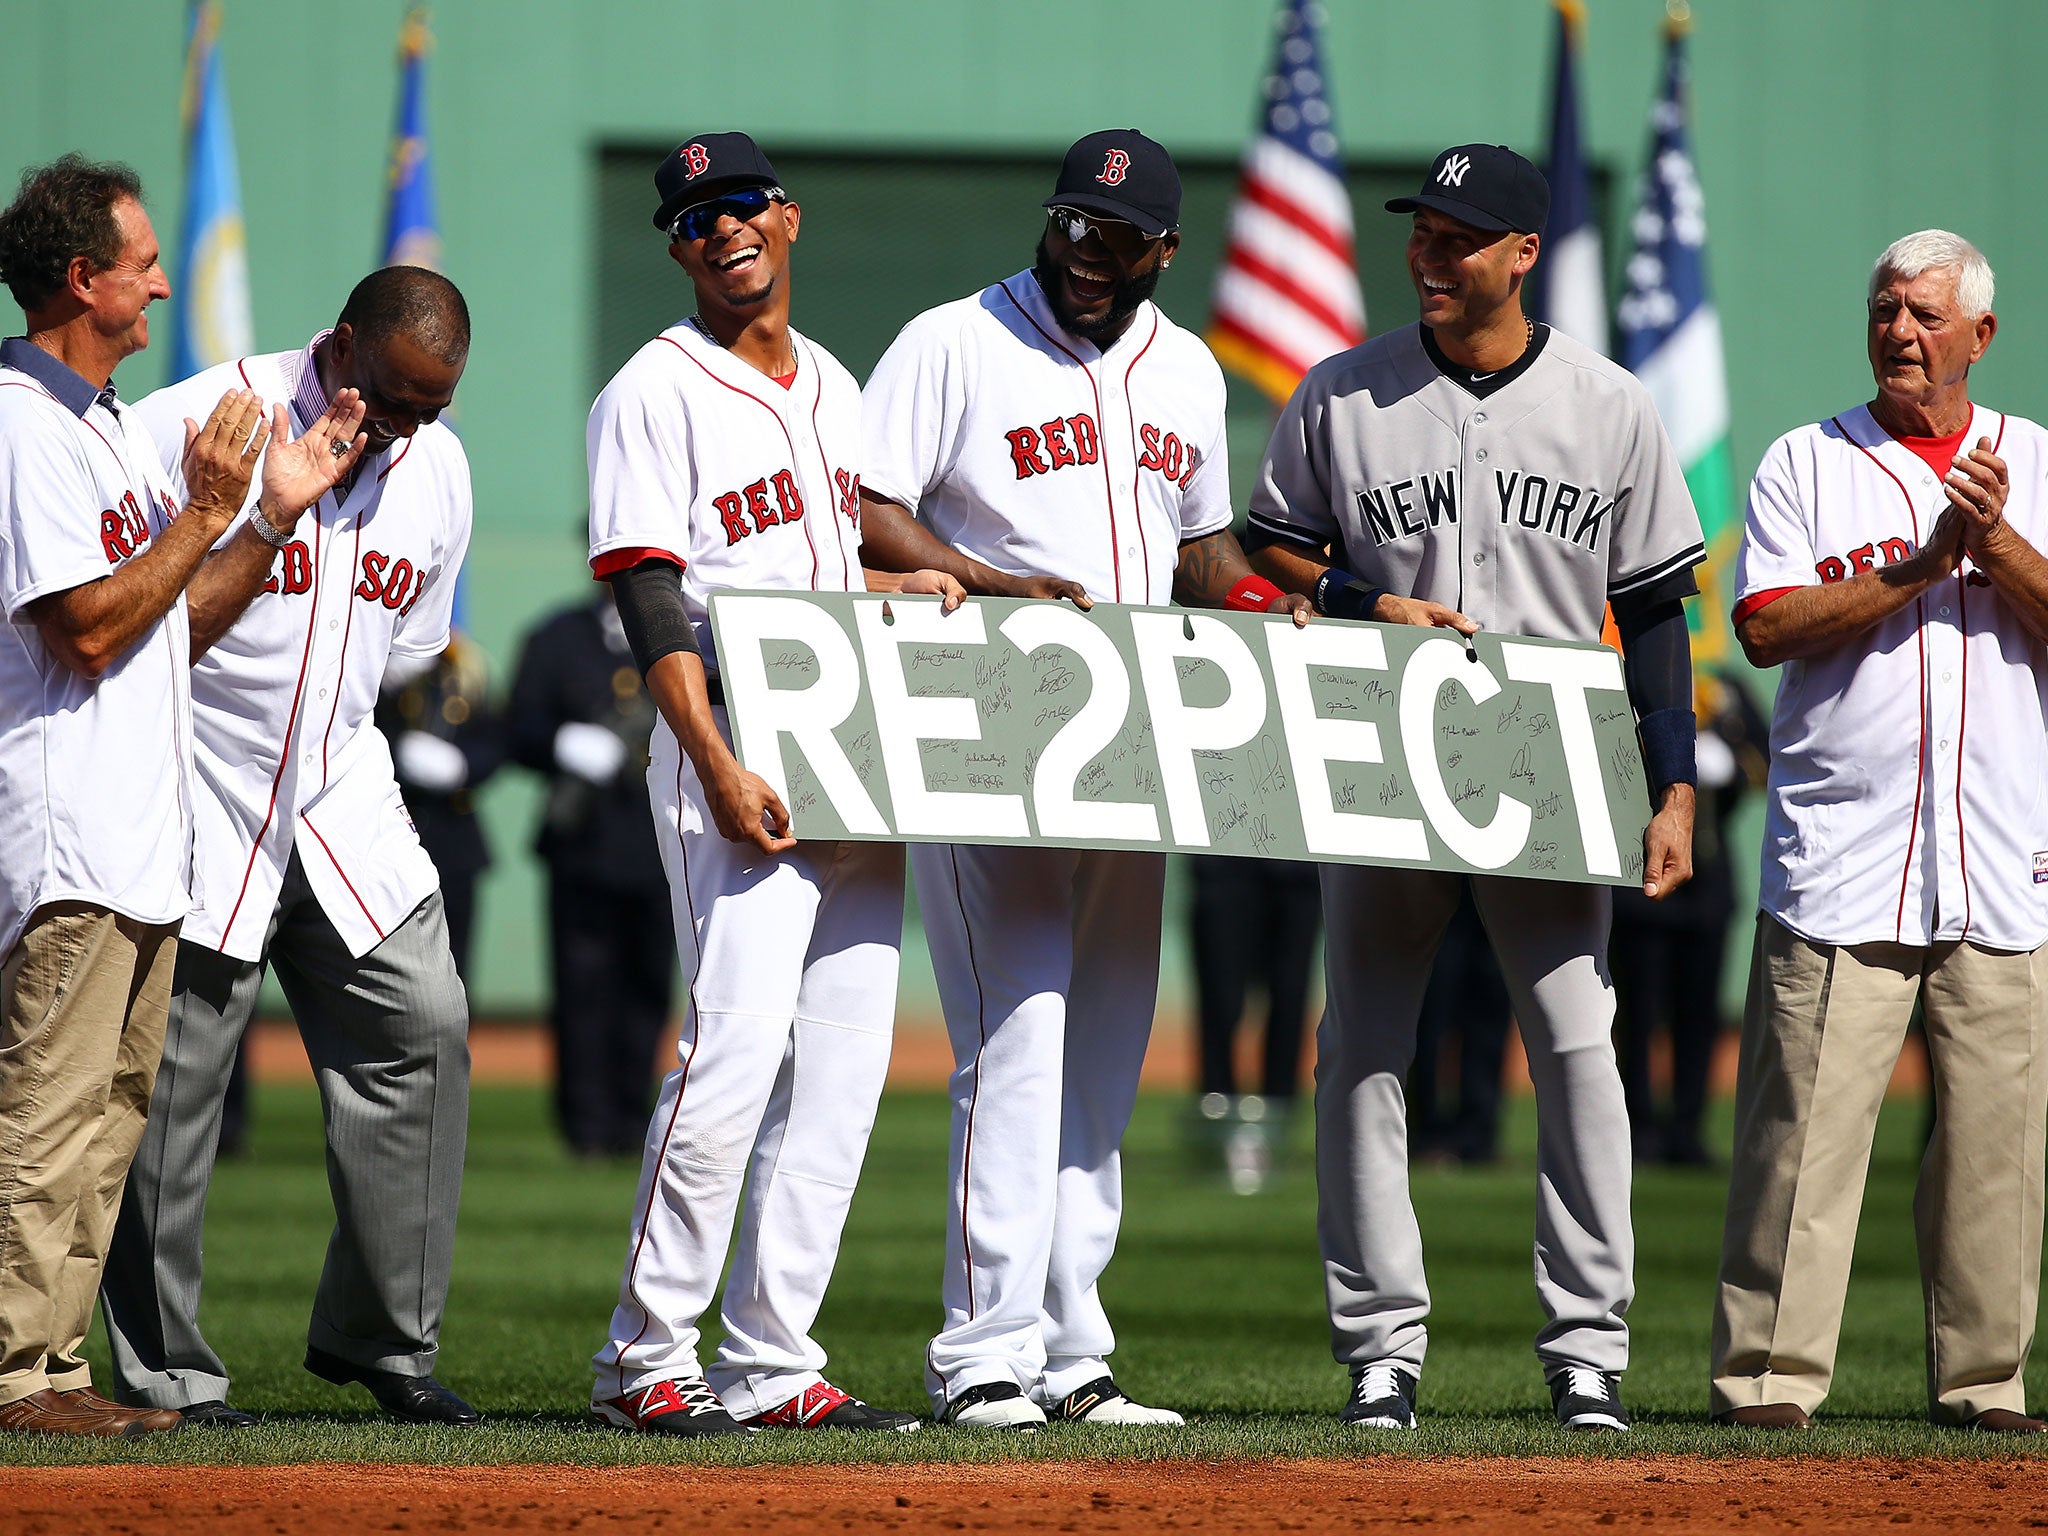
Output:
x=1480 y=469
x=1065 y=439
x=726 y=453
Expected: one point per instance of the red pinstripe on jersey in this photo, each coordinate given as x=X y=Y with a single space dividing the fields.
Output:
x=768 y=406
x=1920 y=637
x=1095 y=391
x=1131 y=416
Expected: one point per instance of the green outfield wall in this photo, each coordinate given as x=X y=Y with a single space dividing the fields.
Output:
x=919 y=134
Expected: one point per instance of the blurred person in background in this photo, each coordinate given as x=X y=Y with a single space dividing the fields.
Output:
x=446 y=740
x=580 y=715
x=1251 y=920
x=1466 y=1007
x=1667 y=955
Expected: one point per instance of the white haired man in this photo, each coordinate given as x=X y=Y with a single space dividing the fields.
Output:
x=1896 y=574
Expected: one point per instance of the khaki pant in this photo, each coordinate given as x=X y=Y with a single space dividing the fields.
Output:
x=1821 y=1033
x=83 y=998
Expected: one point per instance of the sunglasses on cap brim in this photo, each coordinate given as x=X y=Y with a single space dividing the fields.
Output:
x=1117 y=234
x=700 y=219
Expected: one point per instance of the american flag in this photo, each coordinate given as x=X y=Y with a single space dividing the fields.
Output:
x=1287 y=295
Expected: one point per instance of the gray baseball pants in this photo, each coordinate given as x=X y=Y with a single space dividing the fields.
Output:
x=1383 y=926
x=387 y=1035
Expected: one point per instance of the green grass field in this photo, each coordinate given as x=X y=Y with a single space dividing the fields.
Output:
x=1217 y=1299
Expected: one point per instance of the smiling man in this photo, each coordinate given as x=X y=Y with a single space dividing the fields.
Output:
x=304 y=858
x=1054 y=435
x=1478 y=469
x=1891 y=562
x=726 y=453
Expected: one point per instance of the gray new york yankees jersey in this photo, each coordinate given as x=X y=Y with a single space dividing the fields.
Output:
x=1527 y=509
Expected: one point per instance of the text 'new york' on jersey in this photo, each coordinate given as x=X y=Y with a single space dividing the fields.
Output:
x=1527 y=506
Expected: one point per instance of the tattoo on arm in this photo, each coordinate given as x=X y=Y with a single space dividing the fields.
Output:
x=1208 y=569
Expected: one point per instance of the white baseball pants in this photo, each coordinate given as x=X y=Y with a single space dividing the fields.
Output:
x=785 y=1044
x=1047 y=962
x=1382 y=927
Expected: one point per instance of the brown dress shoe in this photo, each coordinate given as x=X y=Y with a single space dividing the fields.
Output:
x=2007 y=1421
x=1766 y=1416
x=52 y=1413
x=152 y=1420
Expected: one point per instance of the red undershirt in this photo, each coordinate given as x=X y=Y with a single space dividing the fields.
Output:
x=1937 y=453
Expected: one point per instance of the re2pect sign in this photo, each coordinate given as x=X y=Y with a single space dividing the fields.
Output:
x=1011 y=721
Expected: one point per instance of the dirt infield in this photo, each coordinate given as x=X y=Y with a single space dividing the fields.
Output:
x=1479 y=1497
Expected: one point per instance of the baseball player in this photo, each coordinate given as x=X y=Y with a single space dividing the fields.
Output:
x=1472 y=470
x=1892 y=563
x=726 y=453
x=304 y=858
x=1054 y=435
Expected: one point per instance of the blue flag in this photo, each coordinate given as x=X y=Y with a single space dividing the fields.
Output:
x=210 y=315
x=1671 y=333
x=412 y=235
x=1571 y=281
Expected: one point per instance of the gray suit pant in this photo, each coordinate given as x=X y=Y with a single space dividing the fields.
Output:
x=387 y=1035
x=1382 y=930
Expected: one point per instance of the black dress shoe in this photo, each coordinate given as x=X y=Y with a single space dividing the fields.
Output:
x=215 y=1414
x=421 y=1399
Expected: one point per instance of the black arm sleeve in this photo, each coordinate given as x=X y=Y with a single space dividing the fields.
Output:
x=1657 y=668
x=651 y=609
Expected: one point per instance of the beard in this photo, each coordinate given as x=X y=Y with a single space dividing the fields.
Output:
x=1124 y=299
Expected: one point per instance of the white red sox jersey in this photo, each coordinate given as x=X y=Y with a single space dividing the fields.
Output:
x=1526 y=510
x=699 y=458
x=95 y=777
x=1037 y=453
x=1908 y=802
x=285 y=752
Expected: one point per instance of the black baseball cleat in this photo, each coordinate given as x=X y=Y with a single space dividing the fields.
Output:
x=419 y=1399
x=1382 y=1396
x=1584 y=1398
x=995 y=1405
x=215 y=1414
x=684 y=1406
x=1102 y=1401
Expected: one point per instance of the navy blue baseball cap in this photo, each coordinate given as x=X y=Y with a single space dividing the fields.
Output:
x=1488 y=186
x=1121 y=174
x=705 y=167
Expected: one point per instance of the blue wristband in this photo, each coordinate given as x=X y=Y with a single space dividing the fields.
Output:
x=1668 y=736
x=1330 y=582
x=1341 y=595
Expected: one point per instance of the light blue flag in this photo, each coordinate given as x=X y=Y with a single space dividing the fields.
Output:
x=412 y=235
x=210 y=314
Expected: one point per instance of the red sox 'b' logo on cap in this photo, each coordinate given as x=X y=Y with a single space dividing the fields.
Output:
x=697 y=159
x=1114 y=165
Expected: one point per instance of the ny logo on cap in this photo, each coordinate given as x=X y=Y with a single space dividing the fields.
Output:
x=696 y=159
x=1454 y=169
x=1114 y=165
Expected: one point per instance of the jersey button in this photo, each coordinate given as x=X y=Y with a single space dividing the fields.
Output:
x=1480 y=558
x=1480 y=455
x=1944 y=610
x=1479 y=418
x=334 y=623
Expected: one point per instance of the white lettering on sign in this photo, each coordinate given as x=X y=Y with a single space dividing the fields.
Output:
x=1314 y=743
x=1180 y=730
x=805 y=715
x=1433 y=664
x=903 y=720
x=1570 y=675
x=1082 y=739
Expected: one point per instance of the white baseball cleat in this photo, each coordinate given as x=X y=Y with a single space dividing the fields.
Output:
x=994 y=1405
x=1102 y=1402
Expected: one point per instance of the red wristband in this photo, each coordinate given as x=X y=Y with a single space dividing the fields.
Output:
x=1254 y=594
